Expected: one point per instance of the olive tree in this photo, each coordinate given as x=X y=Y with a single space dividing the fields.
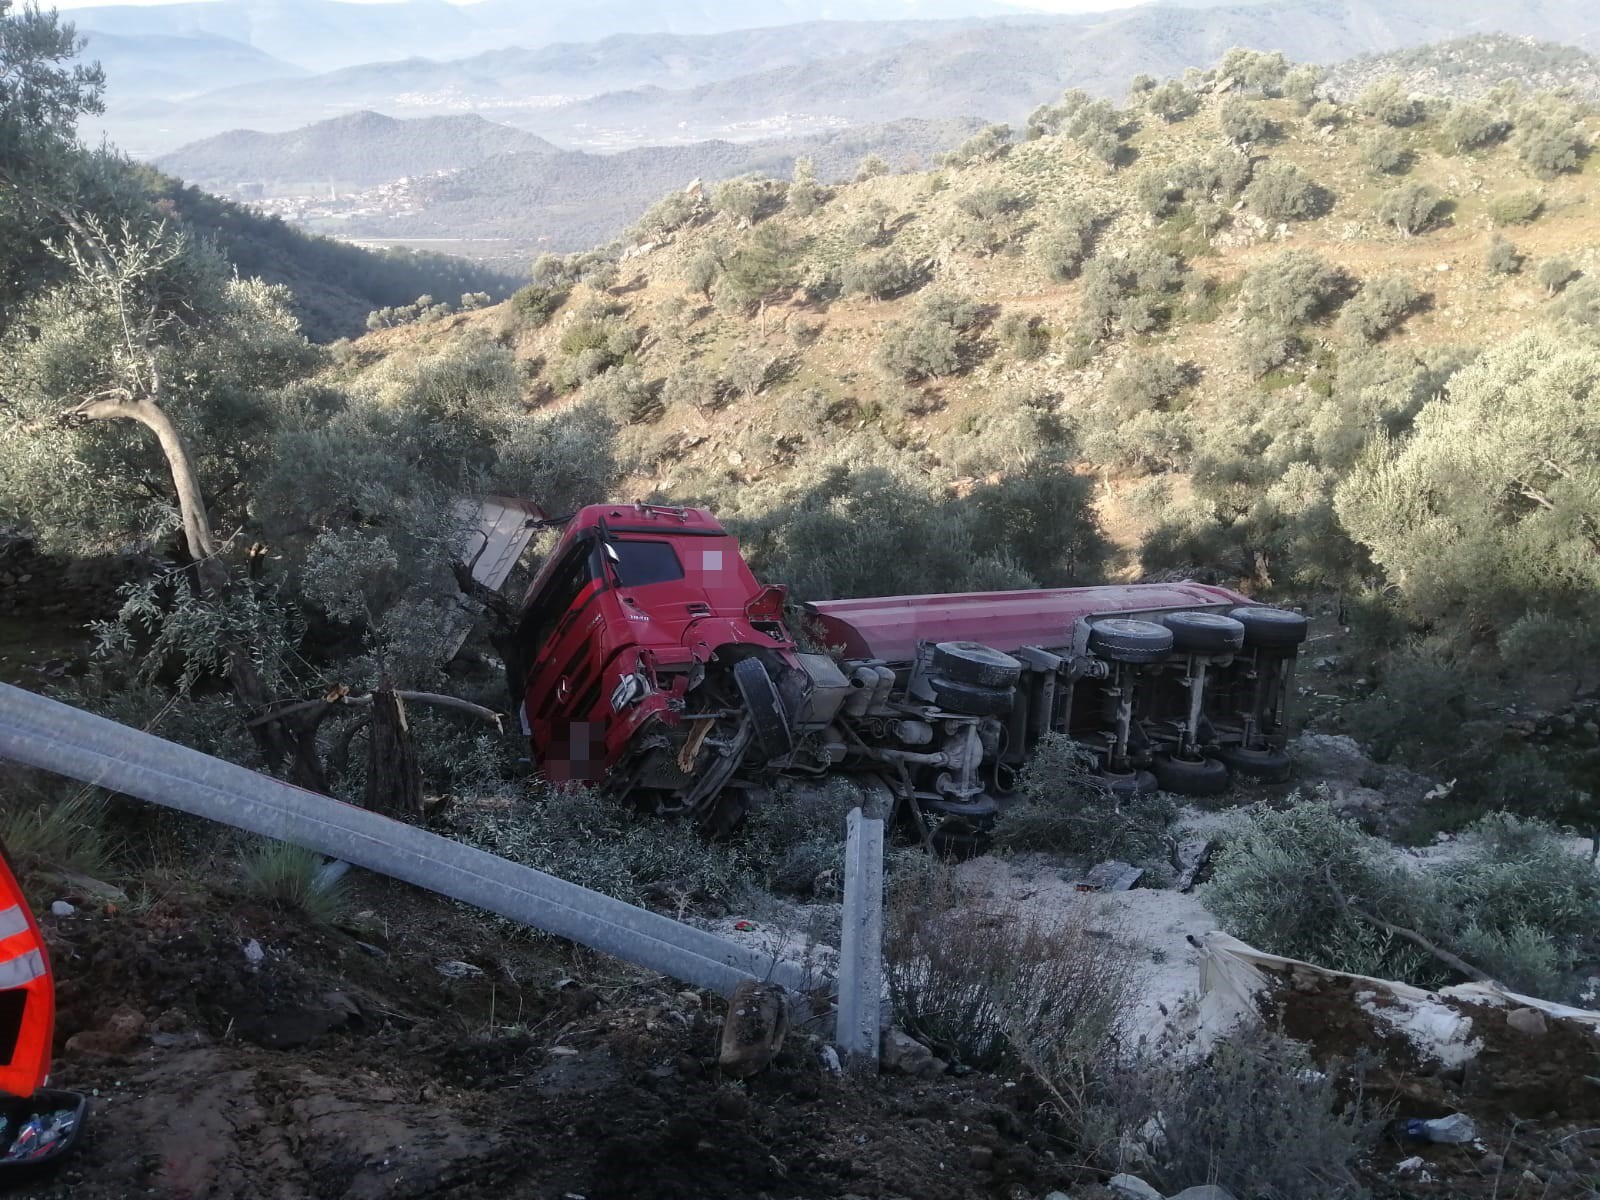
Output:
x=1281 y=191
x=1489 y=508
x=1411 y=208
x=1388 y=101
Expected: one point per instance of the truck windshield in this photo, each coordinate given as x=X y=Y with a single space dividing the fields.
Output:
x=640 y=563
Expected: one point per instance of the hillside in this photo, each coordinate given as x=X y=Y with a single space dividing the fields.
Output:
x=334 y=285
x=142 y=66
x=1038 y=350
x=1001 y=70
x=1466 y=68
x=353 y=151
x=512 y=206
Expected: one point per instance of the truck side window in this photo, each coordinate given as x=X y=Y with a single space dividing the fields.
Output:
x=641 y=563
x=557 y=597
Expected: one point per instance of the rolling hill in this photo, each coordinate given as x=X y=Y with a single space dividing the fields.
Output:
x=358 y=150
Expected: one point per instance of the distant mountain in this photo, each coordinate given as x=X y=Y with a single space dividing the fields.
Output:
x=159 y=65
x=328 y=34
x=354 y=151
x=1465 y=68
x=1002 y=70
x=568 y=201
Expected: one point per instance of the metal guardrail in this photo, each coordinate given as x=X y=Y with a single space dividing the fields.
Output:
x=44 y=733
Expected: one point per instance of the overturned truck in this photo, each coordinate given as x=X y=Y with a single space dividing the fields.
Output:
x=648 y=661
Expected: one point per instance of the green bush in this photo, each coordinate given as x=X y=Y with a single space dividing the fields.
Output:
x=1256 y=1116
x=534 y=305
x=1066 y=242
x=1148 y=381
x=1288 y=289
x=1171 y=101
x=1388 y=101
x=1281 y=191
x=988 y=143
x=1242 y=122
x=1383 y=151
x=1001 y=989
x=1379 y=306
x=1556 y=273
x=695 y=386
x=879 y=276
x=289 y=877
x=1515 y=208
x=1066 y=808
x=1549 y=138
x=1469 y=126
x=1410 y=208
x=1024 y=335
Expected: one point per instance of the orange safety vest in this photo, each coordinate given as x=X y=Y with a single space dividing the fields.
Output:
x=27 y=993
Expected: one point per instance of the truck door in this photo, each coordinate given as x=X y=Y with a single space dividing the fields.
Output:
x=564 y=682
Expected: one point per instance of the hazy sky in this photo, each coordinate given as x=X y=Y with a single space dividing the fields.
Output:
x=1047 y=5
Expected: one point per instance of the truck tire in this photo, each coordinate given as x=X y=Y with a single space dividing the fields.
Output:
x=1204 y=633
x=1125 y=641
x=1129 y=783
x=1190 y=777
x=971 y=699
x=1264 y=766
x=973 y=662
x=1271 y=628
x=768 y=719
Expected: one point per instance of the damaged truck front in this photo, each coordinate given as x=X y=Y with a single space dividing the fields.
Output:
x=649 y=661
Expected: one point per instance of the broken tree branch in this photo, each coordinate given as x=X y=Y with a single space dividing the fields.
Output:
x=433 y=699
x=1453 y=961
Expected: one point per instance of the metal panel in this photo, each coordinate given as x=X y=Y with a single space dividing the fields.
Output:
x=494 y=534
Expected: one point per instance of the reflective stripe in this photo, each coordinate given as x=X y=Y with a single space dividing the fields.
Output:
x=12 y=921
x=24 y=968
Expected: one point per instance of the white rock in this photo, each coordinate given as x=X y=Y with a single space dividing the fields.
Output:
x=454 y=969
x=253 y=953
x=1131 y=1187
x=1206 y=1191
x=1527 y=1020
x=60 y=908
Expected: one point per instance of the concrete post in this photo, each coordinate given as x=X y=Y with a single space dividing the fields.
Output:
x=861 y=944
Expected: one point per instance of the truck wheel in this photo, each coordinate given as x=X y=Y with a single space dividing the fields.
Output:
x=1205 y=777
x=767 y=717
x=1272 y=628
x=973 y=662
x=1267 y=766
x=1125 y=641
x=1129 y=783
x=1204 y=633
x=971 y=699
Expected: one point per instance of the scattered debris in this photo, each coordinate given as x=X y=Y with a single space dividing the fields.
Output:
x=1112 y=876
x=455 y=969
x=1455 y=1130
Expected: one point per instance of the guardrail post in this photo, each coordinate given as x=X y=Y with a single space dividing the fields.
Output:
x=861 y=944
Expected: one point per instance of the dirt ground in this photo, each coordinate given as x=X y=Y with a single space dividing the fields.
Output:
x=344 y=1064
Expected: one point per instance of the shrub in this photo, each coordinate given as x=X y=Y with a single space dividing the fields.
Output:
x=672 y=212
x=1281 y=191
x=1378 y=307
x=1172 y=102
x=1258 y=70
x=1469 y=126
x=988 y=143
x=1324 y=114
x=1241 y=121
x=1066 y=808
x=1388 y=101
x=996 y=989
x=1289 y=289
x=1264 y=350
x=1066 y=242
x=1515 y=208
x=1502 y=258
x=1383 y=151
x=920 y=349
x=1024 y=335
x=1580 y=304
x=1256 y=1116
x=879 y=276
x=1131 y=292
x=991 y=215
x=534 y=305
x=58 y=831
x=805 y=194
x=625 y=396
x=871 y=167
x=746 y=198
x=1149 y=381
x=1555 y=273
x=747 y=369
x=693 y=385
x=1301 y=84
x=290 y=877
x=1549 y=138
x=1410 y=208
x=701 y=272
